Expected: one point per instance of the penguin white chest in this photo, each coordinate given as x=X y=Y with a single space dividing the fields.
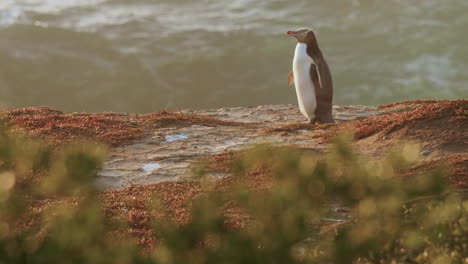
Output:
x=304 y=87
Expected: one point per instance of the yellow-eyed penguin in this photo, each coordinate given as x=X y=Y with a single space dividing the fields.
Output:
x=312 y=78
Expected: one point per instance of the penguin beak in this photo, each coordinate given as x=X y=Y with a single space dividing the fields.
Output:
x=293 y=34
x=300 y=35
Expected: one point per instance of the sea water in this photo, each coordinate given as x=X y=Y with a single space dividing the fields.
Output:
x=143 y=56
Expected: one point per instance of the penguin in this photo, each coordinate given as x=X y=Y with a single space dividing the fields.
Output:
x=312 y=78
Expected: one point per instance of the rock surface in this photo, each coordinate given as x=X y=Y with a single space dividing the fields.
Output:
x=168 y=153
x=164 y=146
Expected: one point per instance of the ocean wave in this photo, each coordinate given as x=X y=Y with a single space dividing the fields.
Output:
x=11 y=16
x=140 y=56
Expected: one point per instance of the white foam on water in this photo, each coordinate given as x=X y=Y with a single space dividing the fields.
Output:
x=172 y=138
x=150 y=167
x=151 y=30
x=10 y=16
x=55 y=6
x=435 y=69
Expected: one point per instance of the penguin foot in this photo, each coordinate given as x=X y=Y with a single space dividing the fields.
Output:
x=313 y=122
x=323 y=121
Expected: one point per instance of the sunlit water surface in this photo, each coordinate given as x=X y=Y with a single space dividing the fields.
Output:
x=143 y=56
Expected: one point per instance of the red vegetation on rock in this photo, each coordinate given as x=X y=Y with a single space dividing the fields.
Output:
x=110 y=128
x=164 y=118
x=454 y=110
x=133 y=206
x=459 y=170
x=413 y=102
x=58 y=127
x=440 y=126
x=136 y=206
x=389 y=122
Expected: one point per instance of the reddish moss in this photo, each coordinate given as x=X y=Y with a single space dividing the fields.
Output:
x=59 y=128
x=456 y=110
x=132 y=205
x=111 y=128
x=222 y=162
x=412 y=102
x=389 y=122
x=459 y=170
x=164 y=118
x=455 y=165
x=177 y=197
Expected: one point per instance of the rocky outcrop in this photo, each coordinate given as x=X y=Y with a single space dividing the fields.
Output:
x=164 y=146
x=168 y=153
x=153 y=154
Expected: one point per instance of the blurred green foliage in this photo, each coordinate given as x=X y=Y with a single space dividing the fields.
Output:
x=391 y=220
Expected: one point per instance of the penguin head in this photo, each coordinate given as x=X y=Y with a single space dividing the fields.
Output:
x=303 y=35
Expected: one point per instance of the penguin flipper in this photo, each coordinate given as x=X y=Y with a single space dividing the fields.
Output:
x=290 y=78
x=315 y=79
x=323 y=112
x=322 y=71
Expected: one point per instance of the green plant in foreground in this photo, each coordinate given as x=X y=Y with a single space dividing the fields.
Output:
x=72 y=231
x=391 y=223
x=393 y=220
